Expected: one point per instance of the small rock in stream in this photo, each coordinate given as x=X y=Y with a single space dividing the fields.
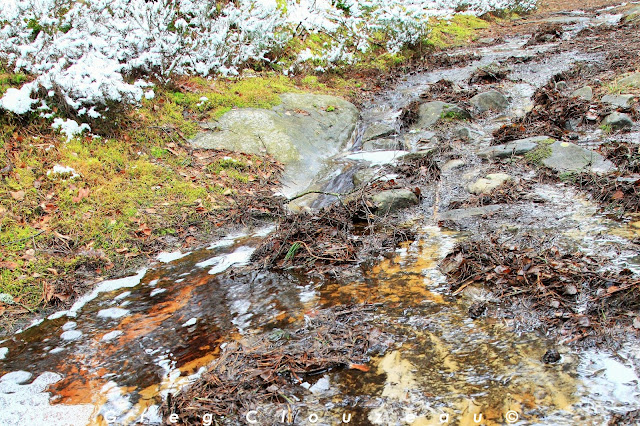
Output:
x=551 y=356
x=617 y=121
x=477 y=310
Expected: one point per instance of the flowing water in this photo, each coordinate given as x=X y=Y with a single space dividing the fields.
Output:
x=113 y=356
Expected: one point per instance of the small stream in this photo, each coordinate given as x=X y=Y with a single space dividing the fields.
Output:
x=113 y=356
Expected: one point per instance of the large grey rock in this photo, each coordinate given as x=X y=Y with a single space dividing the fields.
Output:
x=518 y=147
x=392 y=200
x=430 y=113
x=300 y=132
x=490 y=101
x=585 y=93
x=632 y=80
x=617 y=121
x=622 y=101
x=488 y=183
x=568 y=157
x=378 y=130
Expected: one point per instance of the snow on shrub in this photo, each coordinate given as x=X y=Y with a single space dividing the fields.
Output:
x=85 y=51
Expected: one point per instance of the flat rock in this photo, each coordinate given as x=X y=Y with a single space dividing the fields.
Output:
x=488 y=183
x=585 y=93
x=518 y=147
x=386 y=144
x=452 y=164
x=490 y=101
x=568 y=157
x=430 y=113
x=622 y=101
x=392 y=200
x=632 y=80
x=617 y=121
x=459 y=214
x=378 y=130
x=300 y=132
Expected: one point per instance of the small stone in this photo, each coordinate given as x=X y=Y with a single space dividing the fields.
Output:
x=518 y=147
x=490 y=101
x=384 y=144
x=621 y=101
x=452 y=164
x=477 y=310
x=632 y=80
x=378 y=130
x=583 y=321
x=464 y=133
x=636 y=323
x=489 y=183
x=561 y=85
x=570 y=290
x=585 y=93
x=551 y=356
x=554 y=304
x=392 y=200
x=617 y=121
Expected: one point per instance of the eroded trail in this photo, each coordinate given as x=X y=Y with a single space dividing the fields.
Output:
x=435 y=355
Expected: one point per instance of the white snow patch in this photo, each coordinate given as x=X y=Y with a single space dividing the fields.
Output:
x=61 y=170
x=69 y=325
x=3 y=352
x=18 y=101
x=70 y=127
x=157 y=291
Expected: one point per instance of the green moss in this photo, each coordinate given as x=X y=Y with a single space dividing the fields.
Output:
x=536 y=156
x=9 y=79
x=456 y=31
x=452 y=116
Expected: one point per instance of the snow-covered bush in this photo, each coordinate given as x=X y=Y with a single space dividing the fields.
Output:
x=85 y=52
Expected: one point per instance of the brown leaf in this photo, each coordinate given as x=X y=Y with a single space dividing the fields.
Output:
x=360 y=367
x=144 y=229
x=618 y=195
x=8 y=265
x=2 y=309
x=82 y=193
x=18 y=195
x=47 y=292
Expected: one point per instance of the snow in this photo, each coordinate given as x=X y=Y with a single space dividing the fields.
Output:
x=70 y=127
x=61 y=170
x=86 y=51
x=18 y=101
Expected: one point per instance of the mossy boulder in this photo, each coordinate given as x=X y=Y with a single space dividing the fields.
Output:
x=431 y=113
x=490 y=101
x=300 y=132
x=568 y=157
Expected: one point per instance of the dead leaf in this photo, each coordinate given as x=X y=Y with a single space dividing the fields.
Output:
x=82 y=193
x=2 y=310
x=144 y=229
x=8 y=265
x=47 y=292
x=63 y=237
x=618 y=195
x=18 y=195
x=150 y=211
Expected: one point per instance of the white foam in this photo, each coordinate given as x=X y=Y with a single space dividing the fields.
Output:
x=165 y=257
x=112 y=335
x=191 y=322
x=71 y=335
x=223 y=262
x=30 y=405
x=113 y=313
x=376 y=158
x=105 y=287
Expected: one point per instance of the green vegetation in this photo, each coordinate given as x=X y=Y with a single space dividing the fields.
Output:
x=456 y=31
x=8 y=79
x=606 y=129
x=537 y=155
x=452 y=115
